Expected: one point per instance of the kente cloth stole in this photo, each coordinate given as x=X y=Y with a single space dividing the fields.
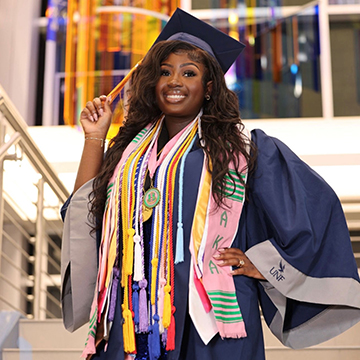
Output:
x=212 y=291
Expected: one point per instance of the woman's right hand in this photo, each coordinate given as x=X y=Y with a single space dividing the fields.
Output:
x=96 y=116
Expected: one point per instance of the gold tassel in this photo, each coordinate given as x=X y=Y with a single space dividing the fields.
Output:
x=128 y=331
x=154 y=263
x=130 y=252
x=167 y=307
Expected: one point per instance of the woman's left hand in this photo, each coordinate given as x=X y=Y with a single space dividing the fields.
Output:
x=236 y=258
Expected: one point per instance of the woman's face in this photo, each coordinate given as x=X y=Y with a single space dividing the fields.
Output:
x=180 y=92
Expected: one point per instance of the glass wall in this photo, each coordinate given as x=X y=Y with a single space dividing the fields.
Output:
x=301 y=59
x=345 y=60
x=278 y=76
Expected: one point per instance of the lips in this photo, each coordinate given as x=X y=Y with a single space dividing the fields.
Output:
x=174 y=98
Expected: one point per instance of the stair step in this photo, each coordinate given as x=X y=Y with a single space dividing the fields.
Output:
x=41 y=354
x=334 y=353
x=50 y=334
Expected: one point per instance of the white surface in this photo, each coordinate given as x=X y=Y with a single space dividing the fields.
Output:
x=331 y=147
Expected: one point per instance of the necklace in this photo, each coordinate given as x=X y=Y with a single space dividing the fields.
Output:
x=151 y=197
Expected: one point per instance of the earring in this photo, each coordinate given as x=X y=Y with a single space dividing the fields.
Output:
x=207 y=97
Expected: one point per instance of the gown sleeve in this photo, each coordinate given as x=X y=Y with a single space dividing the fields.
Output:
x=298 y=239
x=78 y=260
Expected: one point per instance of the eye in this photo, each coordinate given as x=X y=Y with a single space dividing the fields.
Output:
x=164 y=72
x=189 y=73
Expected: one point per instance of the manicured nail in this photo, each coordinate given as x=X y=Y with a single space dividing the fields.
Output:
x=101 y=111
x=216 y=256
x=95 y=116
x=91 y=118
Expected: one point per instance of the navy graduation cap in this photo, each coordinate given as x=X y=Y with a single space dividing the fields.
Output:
x=185 y=27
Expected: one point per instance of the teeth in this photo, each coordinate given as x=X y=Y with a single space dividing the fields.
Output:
x=175 y=96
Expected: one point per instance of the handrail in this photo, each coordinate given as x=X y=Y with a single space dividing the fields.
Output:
x=29 y=248
x=30 y=148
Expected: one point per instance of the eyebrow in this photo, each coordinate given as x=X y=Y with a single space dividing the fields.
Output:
x=182 y=65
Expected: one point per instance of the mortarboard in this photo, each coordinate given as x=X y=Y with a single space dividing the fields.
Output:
x=185 y=27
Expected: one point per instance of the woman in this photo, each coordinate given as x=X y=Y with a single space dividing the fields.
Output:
x=175 y=178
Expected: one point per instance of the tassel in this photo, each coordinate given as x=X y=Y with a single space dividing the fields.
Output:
x=170 y=345
x=128 y=331
x=164 y=338
x=138 y=259
x=154 y=339
x=179 y=254
x=161 y=296
x=135 y=303
x=154 y=263
x=167 y=307
x=130 y=252
x=114 y=291
x=143 y=314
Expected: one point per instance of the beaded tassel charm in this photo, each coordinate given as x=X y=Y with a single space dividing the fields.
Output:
x=135 y=303
x=179 y=252
x=154 y=339
x=138 y=260
x=143 y=313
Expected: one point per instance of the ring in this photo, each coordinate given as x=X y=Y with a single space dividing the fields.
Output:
x=241 y=263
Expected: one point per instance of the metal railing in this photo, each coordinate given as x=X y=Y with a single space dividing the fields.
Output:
x=31 y=195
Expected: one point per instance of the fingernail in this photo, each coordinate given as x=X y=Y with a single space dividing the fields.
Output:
x=221 y=262
x=95 y=116
x=216 y=256
x=109 y=99
x=101 y=111
x=221 y=250
x=91 y=118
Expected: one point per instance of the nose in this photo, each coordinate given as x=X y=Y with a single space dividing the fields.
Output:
x=174 y=81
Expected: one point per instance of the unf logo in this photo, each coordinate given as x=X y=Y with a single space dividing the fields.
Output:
x=278 y=273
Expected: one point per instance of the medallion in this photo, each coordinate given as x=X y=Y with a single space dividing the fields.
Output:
x=151 y=197
x=146 y=213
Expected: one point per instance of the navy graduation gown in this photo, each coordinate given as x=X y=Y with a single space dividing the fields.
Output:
x=294 y=231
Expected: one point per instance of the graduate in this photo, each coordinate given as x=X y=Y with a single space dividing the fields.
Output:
x=189 y=225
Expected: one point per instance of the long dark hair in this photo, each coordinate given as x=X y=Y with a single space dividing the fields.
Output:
x=221 y=124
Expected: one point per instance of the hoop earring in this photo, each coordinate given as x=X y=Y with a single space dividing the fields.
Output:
x=207 y=97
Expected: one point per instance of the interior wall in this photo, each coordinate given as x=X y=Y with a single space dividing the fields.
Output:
x=18 y=53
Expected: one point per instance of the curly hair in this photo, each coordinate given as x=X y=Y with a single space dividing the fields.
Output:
x=221 y=125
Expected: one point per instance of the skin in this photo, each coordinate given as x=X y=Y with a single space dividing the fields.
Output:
x=180 y=92
x=180 y=95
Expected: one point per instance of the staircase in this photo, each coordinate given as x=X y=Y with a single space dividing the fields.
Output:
x=48 y=340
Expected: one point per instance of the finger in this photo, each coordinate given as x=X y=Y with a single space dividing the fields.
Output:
x=86 y=114
x=98 y=106
x=250 y=271
x=106 y=103
x=229 y=255
x=231 y=251
x=238 y=271
x=92 y=110
x=234 y=262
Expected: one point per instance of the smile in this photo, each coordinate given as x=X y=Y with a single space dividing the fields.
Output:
x=175 y=97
